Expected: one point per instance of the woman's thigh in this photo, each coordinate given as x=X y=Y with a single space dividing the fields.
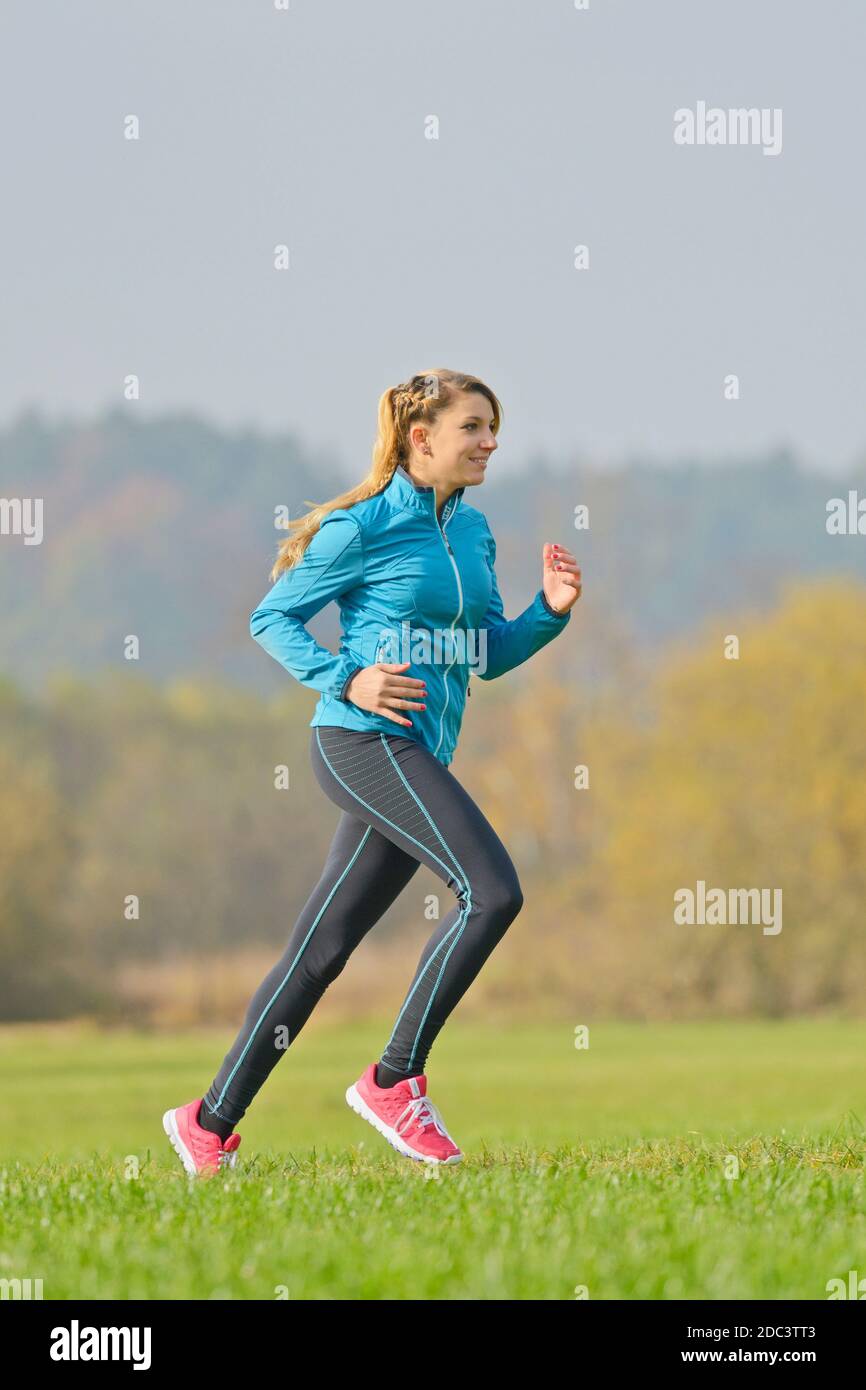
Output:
x=363 y=874
x=396 y=785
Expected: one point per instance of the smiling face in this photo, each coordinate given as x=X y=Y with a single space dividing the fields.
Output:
x=460 y=443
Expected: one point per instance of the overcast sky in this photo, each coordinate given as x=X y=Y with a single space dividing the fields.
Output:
x=308 y=127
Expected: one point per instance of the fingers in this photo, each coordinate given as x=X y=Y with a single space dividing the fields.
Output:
x=568 y=573
x=560 y=559
x=386 y=714
x=397 y=691
x=404 y=692
x=409 y=685
x=561 y=562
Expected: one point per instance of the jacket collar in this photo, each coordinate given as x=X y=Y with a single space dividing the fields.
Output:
x=405 y=492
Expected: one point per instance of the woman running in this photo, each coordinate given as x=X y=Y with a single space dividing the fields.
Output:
x=411 y=565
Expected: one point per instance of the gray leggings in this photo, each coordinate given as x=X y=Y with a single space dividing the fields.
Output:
x=401 y=808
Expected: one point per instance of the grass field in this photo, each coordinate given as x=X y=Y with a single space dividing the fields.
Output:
x=602 y=1169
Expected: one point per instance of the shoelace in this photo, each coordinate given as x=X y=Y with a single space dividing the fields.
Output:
x=227 y=1158
x=422 y=1111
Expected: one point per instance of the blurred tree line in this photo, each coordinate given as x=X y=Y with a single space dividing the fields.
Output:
x=169 y=523
x=745 y=773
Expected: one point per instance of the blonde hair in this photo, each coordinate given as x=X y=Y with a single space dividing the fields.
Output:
x=424 y=397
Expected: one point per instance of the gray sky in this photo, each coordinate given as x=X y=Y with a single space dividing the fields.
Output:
x=307 y=127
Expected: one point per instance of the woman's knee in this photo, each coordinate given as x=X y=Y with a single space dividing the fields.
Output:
x=503 y=896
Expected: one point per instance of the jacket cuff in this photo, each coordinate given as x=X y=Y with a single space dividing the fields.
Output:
x=341 y=693
x=552 y=611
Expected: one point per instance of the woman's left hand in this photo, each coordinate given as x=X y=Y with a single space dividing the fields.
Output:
x=561 y=578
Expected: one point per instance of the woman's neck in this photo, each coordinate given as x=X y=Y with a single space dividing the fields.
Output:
x=442 y=491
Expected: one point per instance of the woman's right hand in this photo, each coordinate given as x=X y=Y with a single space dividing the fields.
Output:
x=382 y=688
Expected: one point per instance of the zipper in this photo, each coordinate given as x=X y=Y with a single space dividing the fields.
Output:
x=441 y=529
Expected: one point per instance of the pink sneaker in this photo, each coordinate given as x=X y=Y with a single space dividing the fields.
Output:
x=200 y=1150
x=405 y=1116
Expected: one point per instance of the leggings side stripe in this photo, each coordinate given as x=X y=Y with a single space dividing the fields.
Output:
x=461 y=920
x=214 y=1110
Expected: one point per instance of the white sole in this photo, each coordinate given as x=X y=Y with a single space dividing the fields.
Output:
x=169 y=1124
x=360 y=1107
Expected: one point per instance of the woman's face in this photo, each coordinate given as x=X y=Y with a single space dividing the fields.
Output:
x=460 y=441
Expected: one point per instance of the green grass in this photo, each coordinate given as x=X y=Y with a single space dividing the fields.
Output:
x=602 y=1168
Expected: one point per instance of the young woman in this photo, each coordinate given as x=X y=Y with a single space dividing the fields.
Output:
x=411 y=565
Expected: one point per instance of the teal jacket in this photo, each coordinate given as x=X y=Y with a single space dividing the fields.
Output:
x=409 y=588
